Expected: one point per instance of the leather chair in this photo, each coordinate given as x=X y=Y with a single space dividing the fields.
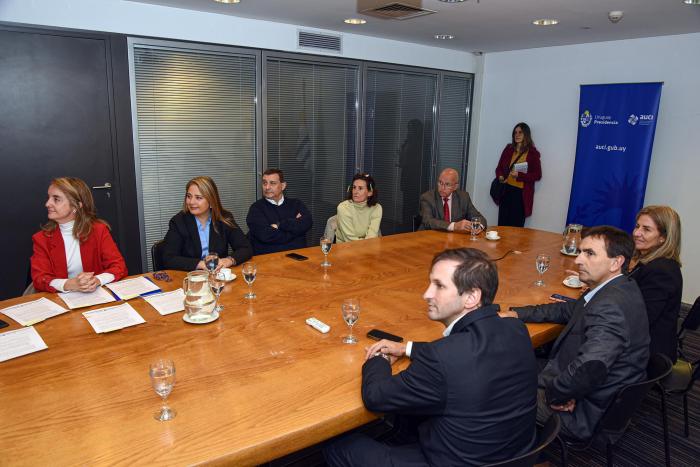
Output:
x=545 y=436
x=417 y=221
x=618 y=415
x=157 y=255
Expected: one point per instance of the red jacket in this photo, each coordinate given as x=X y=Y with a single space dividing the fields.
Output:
x=534 y=173
x=98 y=253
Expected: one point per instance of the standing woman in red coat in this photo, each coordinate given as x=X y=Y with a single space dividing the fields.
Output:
x=74 y=250
x=524 y=158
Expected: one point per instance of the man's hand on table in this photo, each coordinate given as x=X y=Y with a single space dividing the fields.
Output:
x=394 y=350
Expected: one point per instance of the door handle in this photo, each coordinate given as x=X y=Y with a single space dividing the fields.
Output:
x=106 y=186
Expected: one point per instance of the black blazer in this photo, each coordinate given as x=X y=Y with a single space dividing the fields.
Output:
x=661 y=283
x=182 y=249
x=431 y=210
x=604 y=346
x=476 y=389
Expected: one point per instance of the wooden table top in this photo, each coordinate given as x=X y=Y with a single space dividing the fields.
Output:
x=256 y=384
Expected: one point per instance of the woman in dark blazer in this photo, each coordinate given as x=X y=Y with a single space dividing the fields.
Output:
x=203 y=227
x=516 y=203
x=656 y=267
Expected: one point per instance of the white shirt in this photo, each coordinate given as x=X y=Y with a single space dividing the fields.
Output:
x=450 y=227
x=445 y=333
x=73 y=259
x=276 y=203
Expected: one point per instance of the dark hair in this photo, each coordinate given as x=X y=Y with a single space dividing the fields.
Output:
x=275 y=171
x=475 y=271
x=527 y=137
x=371 y=186
x=617 y=242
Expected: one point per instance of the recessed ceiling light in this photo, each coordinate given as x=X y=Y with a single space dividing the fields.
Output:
x=444 y=37
x=691 y=2
x=228 y=1
x=355 y=21
x=545 y=22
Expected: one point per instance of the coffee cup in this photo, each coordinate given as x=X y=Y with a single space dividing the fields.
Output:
x=492 y=234
x=574 y=281
x=225 y=274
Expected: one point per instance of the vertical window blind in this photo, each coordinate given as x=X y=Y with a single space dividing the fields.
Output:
x=311 y=127
x=453 y=134
x=398 y=143
x=195 y=115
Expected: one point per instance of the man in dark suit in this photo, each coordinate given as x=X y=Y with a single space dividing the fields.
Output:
x=605 y=344
x=470 y=397
x=276 y=222
x=448 y=208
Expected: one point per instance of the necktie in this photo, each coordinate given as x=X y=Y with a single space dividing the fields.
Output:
x=446 y=210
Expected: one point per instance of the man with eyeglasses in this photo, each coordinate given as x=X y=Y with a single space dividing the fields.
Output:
x=448 y=208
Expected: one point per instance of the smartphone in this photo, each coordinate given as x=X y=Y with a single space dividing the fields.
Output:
x=297 y=256
x=557 y=296
x=3 y=324
x=378 y=335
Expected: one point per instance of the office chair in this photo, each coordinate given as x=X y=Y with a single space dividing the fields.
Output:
x=157 y=255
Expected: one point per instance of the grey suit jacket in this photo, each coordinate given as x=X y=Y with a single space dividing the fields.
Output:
x=431 y=210
x=604 y=346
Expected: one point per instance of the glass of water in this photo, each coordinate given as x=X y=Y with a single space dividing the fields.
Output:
x=475 y=228
x=162 y=373
x=217 y=283
x=542 y=264
x=326 y=245
x=351 y=313
x=211 y=261
x=249 y=272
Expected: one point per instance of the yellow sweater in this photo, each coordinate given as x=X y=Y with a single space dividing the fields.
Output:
x=357 y=221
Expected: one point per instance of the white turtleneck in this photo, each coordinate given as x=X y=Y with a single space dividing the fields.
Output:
x=73 y=259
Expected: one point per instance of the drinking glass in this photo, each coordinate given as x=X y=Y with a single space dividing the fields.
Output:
x=326 y=244
x=217 y=285
x=475 y=228
x=249 y=271
x=351 y=313
x=162 y=373
x=542 y=264
x=211 y=261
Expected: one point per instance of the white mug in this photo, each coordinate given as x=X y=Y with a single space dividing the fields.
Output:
x=225 y=274
x=492 y=234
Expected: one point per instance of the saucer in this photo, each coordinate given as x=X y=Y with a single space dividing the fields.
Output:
x=233 y=276
x=567 y=283
x=214 y=317
x=563 y=252
x=493 y=239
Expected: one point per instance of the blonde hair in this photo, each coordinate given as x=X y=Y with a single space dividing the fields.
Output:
x=668 y=223
x=80 y=199
x=209 y=190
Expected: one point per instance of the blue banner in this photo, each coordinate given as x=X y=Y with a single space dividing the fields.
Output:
x=613 y=150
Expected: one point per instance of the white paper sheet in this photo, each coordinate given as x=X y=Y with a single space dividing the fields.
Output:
x=83 y=299
x=33 y=312
x=167 y=302
x=20 y=342
x=113 y=318
x=132 y=288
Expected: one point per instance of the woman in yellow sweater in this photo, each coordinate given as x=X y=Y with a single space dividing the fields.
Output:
x=360 y=214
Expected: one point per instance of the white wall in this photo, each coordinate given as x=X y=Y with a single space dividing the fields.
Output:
x=541 y=87
x=126 y=17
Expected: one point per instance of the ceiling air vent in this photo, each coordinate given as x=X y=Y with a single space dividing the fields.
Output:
x=397 y=10
x=317 y=41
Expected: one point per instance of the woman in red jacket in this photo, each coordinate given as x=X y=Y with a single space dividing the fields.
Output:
x=74 y=250
x=518 y=168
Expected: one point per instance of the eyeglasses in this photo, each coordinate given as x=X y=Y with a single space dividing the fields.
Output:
x=446 y=185
x=162 y=276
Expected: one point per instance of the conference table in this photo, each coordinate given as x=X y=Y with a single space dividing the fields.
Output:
x=257 y=383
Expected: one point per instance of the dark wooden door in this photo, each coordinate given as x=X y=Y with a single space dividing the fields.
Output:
x=56 y=119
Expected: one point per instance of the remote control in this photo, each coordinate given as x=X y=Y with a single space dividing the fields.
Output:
x=318 y=325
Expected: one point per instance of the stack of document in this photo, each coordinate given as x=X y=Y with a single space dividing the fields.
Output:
x=132 y=288
x=20 y=342
x=33 y=312
x=167 y=302
x=113 y=318
x=83 y=299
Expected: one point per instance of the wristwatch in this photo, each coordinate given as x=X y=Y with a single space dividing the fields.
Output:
x=383 y=355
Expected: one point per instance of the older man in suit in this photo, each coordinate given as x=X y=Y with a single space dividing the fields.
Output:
x=466 y=399
x=605 y=344
x=448 y=208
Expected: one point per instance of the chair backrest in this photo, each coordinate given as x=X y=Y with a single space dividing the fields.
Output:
x=417 y=221
x=628 y=399
x=545 y=436
x=331 y=226
x=157 y=255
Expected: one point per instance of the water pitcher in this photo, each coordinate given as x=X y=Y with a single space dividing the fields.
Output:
x=199 y=301
x=572 y=239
